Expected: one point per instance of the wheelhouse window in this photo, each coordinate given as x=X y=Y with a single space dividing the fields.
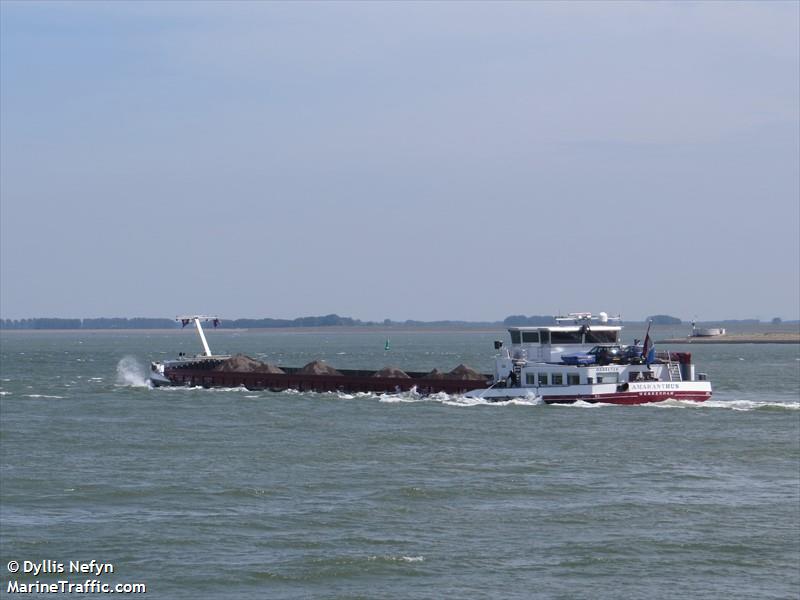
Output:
x=542 y=378
x=530 y=337
x=514 y=336
x=608 y=378
x=545 y=337
x=558 y=379
x=601 y=337
x=565 y=337
x=573 y=379
x=530 y=378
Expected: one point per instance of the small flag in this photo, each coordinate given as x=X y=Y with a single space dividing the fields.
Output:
x=386 y=346
x=648 y=350
x=650 y=356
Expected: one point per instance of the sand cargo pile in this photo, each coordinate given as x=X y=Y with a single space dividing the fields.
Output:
x=317 y=376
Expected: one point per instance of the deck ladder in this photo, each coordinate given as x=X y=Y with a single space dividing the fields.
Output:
x=674 y=371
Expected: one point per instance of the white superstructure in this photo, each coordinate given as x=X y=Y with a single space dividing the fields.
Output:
x=581 y=358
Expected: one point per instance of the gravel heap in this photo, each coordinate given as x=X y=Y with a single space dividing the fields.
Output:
x=391 y=372
x=319 y=367
x=241 y=363
x=435 y=374
x=465 y=373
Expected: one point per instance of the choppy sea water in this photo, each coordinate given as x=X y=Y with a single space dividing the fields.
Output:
x=230 y=493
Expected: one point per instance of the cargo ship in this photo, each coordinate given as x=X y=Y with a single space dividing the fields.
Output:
x=580 y=358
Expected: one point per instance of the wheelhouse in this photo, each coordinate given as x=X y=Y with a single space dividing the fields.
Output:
x=548 y=343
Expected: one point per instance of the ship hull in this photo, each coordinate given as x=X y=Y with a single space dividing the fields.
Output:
x=350 y=381
x=632 y=393
x=630 y=398
x=361 y=381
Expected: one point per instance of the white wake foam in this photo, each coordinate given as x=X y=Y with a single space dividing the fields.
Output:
x=740 y=405
x=455 y=399
x=131 y=373
x=584 y=404
x=464 y=401
x=408 y=559
x=200 y=388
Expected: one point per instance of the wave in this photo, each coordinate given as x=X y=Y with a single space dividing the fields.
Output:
x=131 y=373
x=200 y=388
x=585 y=404
x=739 y=405
x=454 y=399
x=385 y=559
x=461 y=401
x=391 y=559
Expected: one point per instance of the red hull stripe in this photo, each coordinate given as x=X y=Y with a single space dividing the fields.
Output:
x=631 y=397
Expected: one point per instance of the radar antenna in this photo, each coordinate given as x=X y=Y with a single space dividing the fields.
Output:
x=585 y=318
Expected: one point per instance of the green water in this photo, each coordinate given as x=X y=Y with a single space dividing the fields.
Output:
x=229 y=493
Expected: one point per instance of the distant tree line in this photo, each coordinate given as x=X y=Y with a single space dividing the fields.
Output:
x=148 y=323
x=522 y=320
x=324 y=321
x=331 y=320
x=445 y=324
x=44 y=323
x=740 y=321
x=102 y=323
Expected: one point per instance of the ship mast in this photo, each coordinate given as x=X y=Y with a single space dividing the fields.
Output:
x=186 y=319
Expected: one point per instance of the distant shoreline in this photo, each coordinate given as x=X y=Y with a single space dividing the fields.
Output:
x=266 y=330
x=334 y=322
x=739 y=338
x=762 y=337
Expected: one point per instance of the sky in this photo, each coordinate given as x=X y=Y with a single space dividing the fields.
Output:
x=427 y=161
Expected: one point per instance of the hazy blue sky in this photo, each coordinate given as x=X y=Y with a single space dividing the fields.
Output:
x=426 y=161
